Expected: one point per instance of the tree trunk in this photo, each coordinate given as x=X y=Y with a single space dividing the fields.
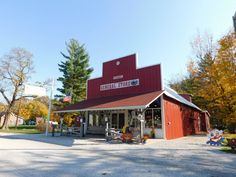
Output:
x=5 y=122
x=17 y=118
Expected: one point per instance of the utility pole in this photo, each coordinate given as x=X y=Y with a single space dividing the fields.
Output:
x=49 y=106
x=234 y=21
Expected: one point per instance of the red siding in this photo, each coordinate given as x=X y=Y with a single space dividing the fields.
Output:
x=173 y=119
x=205 y=125
x=180 y=120
x=149 y=78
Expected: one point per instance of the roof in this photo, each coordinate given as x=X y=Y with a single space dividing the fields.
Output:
x=131 y=101
x=173 y=94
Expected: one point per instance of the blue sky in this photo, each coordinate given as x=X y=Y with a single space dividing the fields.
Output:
x=159 y=31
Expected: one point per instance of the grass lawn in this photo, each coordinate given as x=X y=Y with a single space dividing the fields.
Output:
x=226 y=148
x=229 y=136
x=26 y=129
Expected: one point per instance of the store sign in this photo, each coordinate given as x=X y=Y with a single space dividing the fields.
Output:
x=118 y=77
x=117 y=85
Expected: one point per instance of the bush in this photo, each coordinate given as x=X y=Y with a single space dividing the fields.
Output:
x=41 y=126
x=20 y=127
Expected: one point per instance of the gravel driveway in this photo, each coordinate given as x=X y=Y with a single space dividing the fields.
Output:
x=37 y=155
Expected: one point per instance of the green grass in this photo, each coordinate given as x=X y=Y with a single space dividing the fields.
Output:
x=229 y=136
x=26 y=129
x=226 y=148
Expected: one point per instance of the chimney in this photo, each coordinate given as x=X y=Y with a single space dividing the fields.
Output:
x=187 y=97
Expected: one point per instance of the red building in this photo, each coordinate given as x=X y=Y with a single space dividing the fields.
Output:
x=127 y=95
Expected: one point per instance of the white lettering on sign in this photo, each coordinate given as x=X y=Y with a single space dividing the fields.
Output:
x=117 y=85
x=118 y=77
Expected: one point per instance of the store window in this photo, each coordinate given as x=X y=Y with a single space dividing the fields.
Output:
x=96 y=120
x=153 y=118
x=157 y=118
x=148 y=118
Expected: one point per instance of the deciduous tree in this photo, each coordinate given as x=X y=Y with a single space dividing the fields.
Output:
x=15 y=68
x=211 y=78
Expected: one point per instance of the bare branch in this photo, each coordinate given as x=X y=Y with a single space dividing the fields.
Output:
x=15 y=70
x=4 y=96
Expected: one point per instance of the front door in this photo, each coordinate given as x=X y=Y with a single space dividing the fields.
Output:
x=121 y=120
x=118 y=120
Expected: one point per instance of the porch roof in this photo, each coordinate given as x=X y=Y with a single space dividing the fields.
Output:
x=131 y=101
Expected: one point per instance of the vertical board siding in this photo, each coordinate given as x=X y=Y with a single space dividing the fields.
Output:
x=173 y=123
x=149 y=78
x=181 y=120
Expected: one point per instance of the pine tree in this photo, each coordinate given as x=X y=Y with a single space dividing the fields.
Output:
x=76 y=71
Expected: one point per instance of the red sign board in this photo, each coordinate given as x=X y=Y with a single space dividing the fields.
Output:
x=121 y=76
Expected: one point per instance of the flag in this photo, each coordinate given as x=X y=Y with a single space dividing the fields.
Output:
x=67 y=98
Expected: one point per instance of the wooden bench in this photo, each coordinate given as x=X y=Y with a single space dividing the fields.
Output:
x=232 y=143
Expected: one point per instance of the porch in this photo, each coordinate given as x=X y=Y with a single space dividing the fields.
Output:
x=140 y=115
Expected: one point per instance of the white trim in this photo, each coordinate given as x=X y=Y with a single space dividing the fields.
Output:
x=154 y=99
x=149 y=66
x=136 y=67
x=136 y=61
x=163 y=117
x=99 y=77
x=86 y=89
x=136 y=56
x=161 y=77
x=179 y=98
x=120 y=58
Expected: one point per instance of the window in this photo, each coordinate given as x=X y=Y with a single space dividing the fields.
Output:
x=153 y=118
x=157 y=118
x=148 y=118
x=96 y=120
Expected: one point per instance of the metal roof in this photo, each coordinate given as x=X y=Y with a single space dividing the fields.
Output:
x=131 y=101
x=173 y=94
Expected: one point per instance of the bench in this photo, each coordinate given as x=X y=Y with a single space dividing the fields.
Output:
x=232 y=143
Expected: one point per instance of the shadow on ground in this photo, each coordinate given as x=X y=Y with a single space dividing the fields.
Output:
x=67 y=141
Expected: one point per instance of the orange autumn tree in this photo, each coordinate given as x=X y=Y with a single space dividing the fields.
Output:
x=211 y=78
x=30 y=109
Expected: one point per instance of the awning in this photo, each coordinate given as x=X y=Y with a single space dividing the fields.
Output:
x=132 y=101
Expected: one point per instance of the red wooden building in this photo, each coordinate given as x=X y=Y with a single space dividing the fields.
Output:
x=127 y=95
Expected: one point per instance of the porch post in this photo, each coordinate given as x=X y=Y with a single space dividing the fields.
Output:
x=163 y=117
x=86 y=122
x=106 y=116
x=61 y=123
x=142 y=123
x=81 y=125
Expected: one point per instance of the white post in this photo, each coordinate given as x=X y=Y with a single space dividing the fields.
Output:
x=163 y=117
x=86 y=123
x=49 y=107
x=142 y=128
x=61 y=123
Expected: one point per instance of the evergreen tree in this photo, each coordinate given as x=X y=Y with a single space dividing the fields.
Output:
x=76 y=71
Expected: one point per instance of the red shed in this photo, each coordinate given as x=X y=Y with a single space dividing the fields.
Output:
x=129 y=96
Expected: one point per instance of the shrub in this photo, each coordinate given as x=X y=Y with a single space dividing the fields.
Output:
x=41 y=126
